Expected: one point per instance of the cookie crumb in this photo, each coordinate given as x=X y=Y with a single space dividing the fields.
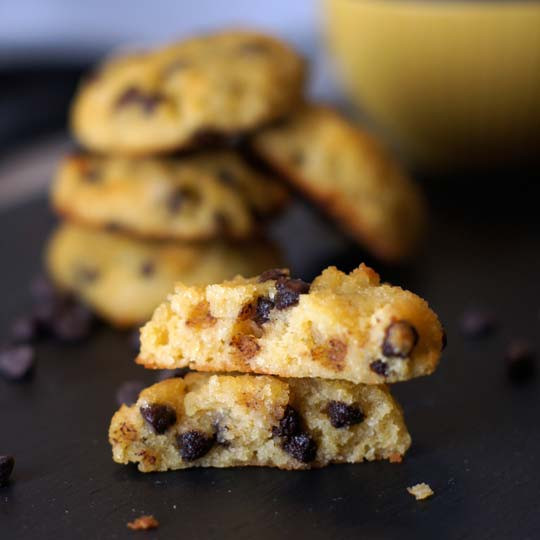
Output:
x=420 y=491
x=143 y=523
x=395 y=458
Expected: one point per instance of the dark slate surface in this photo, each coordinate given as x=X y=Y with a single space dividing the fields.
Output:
x=476 y=438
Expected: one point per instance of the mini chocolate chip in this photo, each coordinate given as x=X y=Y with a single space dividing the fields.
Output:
x=147 y=101
x=128 y=392
x=160 y=417
x=289 y=291
x=343 y=415
x=262 y=311
x=273 y=274
x=289 y=424
x=7 y=463
x=520 y=358
x=164 y=374
x=400 y=339
x=194 y=444
x=148 y=268
x=85 y=275
x=16 y=362
x=476 y=323
x=226 y=177
x=379 y=367
x=72 y=323
x=25 y=329
x=301 y=447
x=178 y=197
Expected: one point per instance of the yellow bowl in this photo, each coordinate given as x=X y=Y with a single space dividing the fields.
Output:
x=452 y=83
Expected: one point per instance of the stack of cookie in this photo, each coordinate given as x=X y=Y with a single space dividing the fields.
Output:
x=314 y=360
x=138 y=218
x=158 y=191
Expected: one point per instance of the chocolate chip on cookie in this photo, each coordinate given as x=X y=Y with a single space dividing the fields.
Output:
x=160 y=417
x=16 y=362
x=133 y=95
x=289 y=291
x=379 y=367
x=289 y=424
x=148 y=268
x=343 y=415
x=400 y=339
x=194 y=444
x=301 y=447
x=262 y=310
x=273 y=274
x=7 y=463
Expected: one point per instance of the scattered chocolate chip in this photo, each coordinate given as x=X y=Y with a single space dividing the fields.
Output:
x=160 y=417
x=226 y=177
x=7 y=463
x=444 y=339
x=147 y=101
x=520 y=358
x=148 y=268
x=41 y=288
x=134 y=339
x=85 y=275
x=400 y=339
x=476 y=323
x=343 y=415
x=180 y=196
x=379 y=367
x=194 y=444
x=16 y=362
x=25 y=329
x=289 y=425
x=301 y=447
x=73 y=322
x=262 y=310
x=289 y=291
x=273 y=274
x=164 y=374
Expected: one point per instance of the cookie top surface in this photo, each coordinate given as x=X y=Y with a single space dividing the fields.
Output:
x=198 y=197
x=350 y=176
x=125 y=279
x=214 y=420
x=342 y=326
x=224 y=83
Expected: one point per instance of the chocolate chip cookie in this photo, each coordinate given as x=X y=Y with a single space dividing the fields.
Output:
x=348 y=327
x=224 y=83
x=350 y=176
x=125 y=279
x=200 y=197
x=207 y=420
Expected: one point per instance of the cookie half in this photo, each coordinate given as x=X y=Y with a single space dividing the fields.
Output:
x=208 y=420
x=350 y=177
x=124 y=279
x=348 y=327
x=225 y=83
x=200 y=197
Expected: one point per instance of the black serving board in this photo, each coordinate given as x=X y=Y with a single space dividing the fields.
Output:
x=476 y=435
